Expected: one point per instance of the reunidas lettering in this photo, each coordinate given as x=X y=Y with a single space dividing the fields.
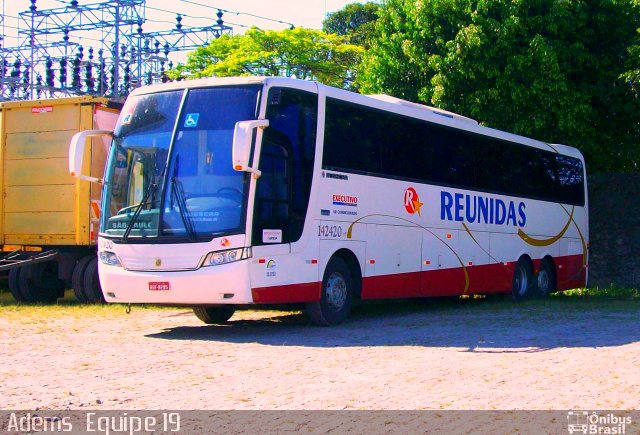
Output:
x=476 y=209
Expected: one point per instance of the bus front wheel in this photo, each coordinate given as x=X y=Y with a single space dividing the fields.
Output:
x=214 y=315
x=336 y=296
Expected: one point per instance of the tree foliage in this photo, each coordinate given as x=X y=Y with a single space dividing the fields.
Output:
x=556 y=70
x=302 y=53
x=356 y=21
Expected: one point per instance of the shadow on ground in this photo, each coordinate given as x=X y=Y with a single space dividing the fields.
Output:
x=475 y=326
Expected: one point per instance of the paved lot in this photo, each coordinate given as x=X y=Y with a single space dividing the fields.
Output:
x=466 y=355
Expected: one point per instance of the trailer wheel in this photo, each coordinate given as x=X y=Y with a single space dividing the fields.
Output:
x=40 y=283
x=336 y=295
x=91 y=282
x=214 y=315
x=523 y=280
x=77 y=279
x=546 y=280
x=14 y=284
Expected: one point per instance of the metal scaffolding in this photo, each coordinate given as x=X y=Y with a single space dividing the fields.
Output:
x=120 y=57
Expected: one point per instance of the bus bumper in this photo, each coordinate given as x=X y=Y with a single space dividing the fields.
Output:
x=223 y=284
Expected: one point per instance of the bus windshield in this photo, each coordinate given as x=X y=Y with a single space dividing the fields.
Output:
x=169 y=172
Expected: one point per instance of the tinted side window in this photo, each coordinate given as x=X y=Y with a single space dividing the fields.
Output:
x=288 y=148
x=571 y=179
x=351 y=137
x=273 y=196
x=363 y=139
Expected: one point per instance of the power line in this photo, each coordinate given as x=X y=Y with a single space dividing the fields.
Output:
x=239 y=13
x=238 y=25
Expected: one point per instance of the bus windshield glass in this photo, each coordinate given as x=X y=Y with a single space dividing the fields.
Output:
x=170 y=173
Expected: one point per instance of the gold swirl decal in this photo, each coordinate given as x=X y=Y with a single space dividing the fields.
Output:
x=546 y=242
x=584 y=243
x=491 y=257
x=464 y=268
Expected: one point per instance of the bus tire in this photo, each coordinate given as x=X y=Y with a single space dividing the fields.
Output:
x=14 y=284
x=546 y=278
x=77 y=279
x=214 y=315
x=523 y=280
x=91 y=282
x=336 y=295
x=40 y=283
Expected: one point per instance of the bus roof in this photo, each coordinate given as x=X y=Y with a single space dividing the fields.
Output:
x=380 y=101
x=401 y=102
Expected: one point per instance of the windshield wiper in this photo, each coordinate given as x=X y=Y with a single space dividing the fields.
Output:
x=145 y=198
x=178 y=192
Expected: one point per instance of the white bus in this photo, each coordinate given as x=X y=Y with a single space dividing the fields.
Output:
x=223 y=193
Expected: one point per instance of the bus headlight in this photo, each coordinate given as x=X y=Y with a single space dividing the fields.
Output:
x=229 y=256
x=109 y=258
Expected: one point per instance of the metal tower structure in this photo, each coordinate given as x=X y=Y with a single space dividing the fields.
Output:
x=93 y=49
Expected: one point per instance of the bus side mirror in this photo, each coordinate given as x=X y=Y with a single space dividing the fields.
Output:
x=76 y=153
x=242 y=137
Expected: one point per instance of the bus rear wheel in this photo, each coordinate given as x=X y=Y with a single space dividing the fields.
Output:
x=523 y=280
x=214 y=315
x=546 y=279
x=336 y=295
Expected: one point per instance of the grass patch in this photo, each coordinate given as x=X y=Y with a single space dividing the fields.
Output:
x=610 y=299
x=611 y=292
x=63 y=307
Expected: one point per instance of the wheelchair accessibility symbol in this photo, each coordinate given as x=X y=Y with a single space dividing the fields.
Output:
x=191 y=120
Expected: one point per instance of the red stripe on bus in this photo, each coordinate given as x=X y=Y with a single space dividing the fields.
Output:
x=489 y=278
x=286 y=294
x=484 y=279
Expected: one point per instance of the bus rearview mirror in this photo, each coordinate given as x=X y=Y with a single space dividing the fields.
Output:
x=242 y=140
x=76 y=153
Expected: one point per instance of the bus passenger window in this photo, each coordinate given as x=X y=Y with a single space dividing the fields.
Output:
x=273 y=195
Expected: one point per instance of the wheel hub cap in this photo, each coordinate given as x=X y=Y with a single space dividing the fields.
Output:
x=521 y=282
x=543 y=281
x=336 y=291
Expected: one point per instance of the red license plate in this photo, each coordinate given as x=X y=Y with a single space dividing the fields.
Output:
x=154 y=286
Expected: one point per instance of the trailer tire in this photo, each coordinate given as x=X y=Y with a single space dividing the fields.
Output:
x=40 y=283
x=91 y=282
x=336 y=295
x=14 y=284
x=214 y=315
x=77 y=279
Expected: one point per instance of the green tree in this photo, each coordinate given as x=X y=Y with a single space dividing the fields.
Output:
x=550 y=69
x=632 y=76
x=303 y=53
x=356 y=21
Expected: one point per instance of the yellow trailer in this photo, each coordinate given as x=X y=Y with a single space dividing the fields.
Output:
x=48 y=219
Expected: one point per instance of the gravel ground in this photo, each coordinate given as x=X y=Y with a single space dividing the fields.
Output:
x=465 y=355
